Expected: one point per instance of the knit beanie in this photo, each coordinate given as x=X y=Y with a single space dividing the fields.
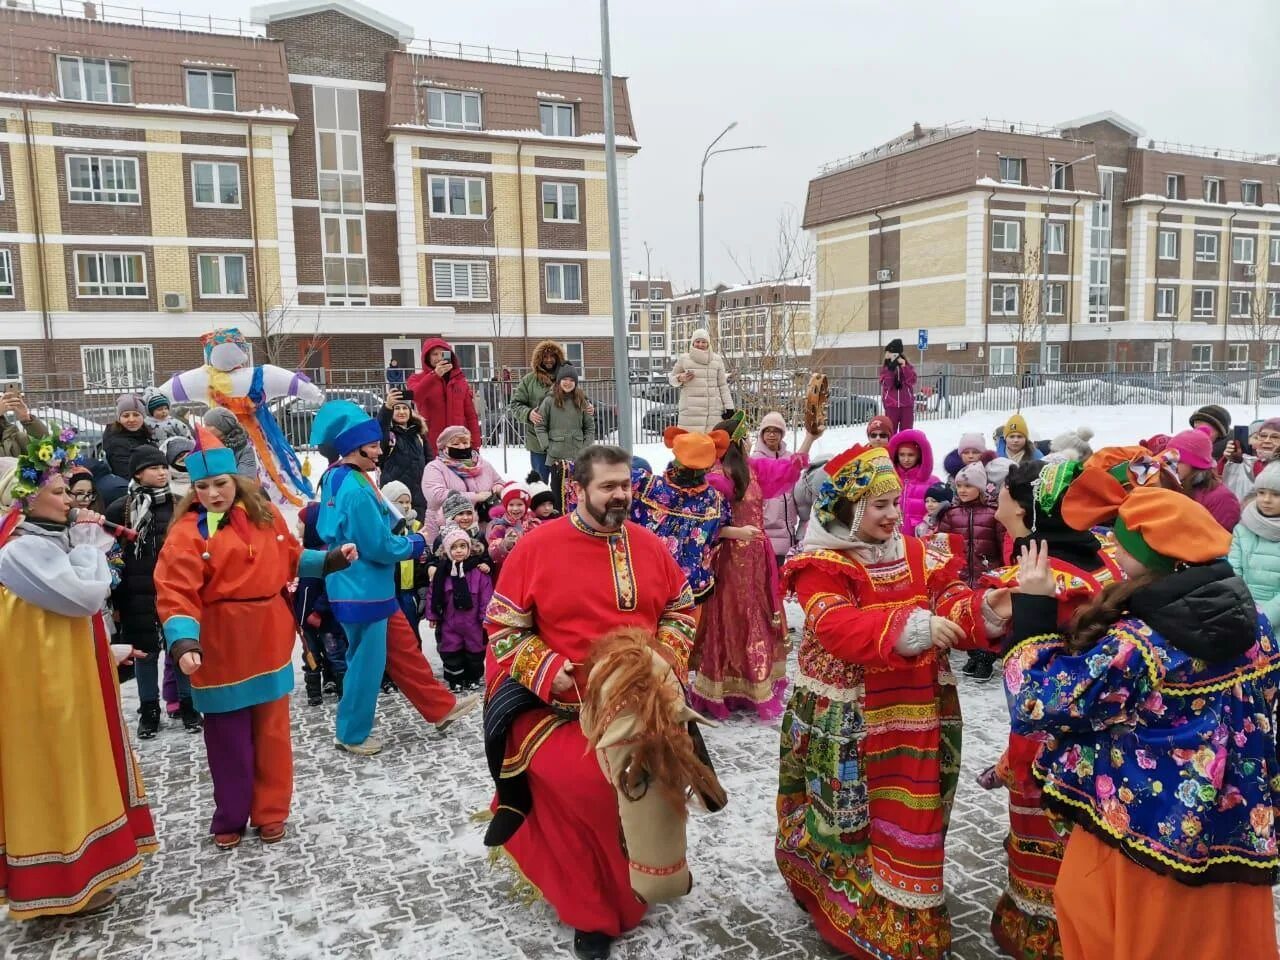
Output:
x=895 y=346
x=540 y=493
x=974 y=474
x=1269 y=478
x=1194 y=447
x=451 y=536
x=567 y=371
x=127 y=402
x=449 y=434
x=455 y=503
x=972 y=441
x=394 y=490
x=997 y=470
x=1272 y=424
x=515 y=490
x=700 y=334
x=1215 y=416
x=940 y=492
x=1016 y=424
x=145 y=456
x=1074 y=443
x=156 y=401
x=880 y=424
x=174 y=448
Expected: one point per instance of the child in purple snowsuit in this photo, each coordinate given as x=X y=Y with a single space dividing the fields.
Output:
x=459 y=597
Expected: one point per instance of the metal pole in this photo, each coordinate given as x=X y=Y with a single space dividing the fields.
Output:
x=1044 y=281
x=622 y=382
x=648 y=314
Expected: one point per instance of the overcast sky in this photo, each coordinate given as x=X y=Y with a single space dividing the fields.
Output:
x=815 y=80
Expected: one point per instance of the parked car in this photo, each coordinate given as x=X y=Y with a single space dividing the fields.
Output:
x=658 y=417
x=295 y=415
x=1269 y=387
x=847 y=409
x=88 y=432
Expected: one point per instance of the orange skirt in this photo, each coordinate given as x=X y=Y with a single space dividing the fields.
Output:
x=1109 y=908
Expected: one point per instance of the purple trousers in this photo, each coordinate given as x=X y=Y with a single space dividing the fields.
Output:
x=251 y=761
x=903 y=418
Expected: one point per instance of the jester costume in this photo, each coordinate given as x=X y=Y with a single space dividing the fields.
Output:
x=871 y=737
x=555 y=813
x=228 y=380
x=74 y=818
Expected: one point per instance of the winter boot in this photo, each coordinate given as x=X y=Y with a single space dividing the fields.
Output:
x=388 y=685
x=455 y=669
x=191 y=718
x=315 y=695
x=148 y=720
x=337 y=686
x=475 y=670
x=983 y=669
x=970 y=664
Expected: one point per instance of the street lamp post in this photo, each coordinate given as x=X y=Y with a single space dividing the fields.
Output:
x=1044 y=268
x=622 y=383
x=702 y=174
x=648 y=299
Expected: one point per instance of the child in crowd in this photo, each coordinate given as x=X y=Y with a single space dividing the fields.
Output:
x=324 y=655
x=515 y=520
x=1255 y=545
x=459 y=511
x=913 y=460
x=566 y=427
x=542 y=501
x=160 y=422
x=936 y=499
x=879 y=430
x=1015 y=441
x=460 y=594
x=175 y=450
x=411 y=576
x=1073 y=445
x=83 y=489
x=222 y=423
x=972 y=448
x=973 y=520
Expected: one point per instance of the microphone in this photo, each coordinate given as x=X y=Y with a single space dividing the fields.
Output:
x=114 y=529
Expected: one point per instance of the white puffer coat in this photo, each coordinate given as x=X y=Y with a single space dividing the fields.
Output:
x=703 y=399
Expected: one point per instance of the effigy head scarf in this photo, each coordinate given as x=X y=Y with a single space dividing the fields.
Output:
x=225 y=349
x=860 y=473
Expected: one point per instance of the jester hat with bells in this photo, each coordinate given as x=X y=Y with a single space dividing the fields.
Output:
x=695 y=451
x=859 y=474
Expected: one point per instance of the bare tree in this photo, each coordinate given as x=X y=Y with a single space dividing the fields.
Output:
x=1262 y=323
x=283 y=327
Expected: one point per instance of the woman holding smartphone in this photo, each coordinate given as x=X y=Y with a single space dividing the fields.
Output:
x=898 y=387
x=442 y=394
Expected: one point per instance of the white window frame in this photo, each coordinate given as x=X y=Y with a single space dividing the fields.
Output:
x=657 y=341
x=444 y=287
x=550 y=269
x=1052 y=358
x=1275 y=251
x=218 y=168
x=657 y=318
x=131 y=380
x=1200 y=310
x=1000 y=292
x=1055 y=302
x=1202 y=356
x=17 y=354
x=341 y=174
x=573 y=354
x=99 y=194
x=633 y=322
x=1006 y=229
x=1167 y=244
x=1 y=181
x=1256 y=187
x=449 y=181
x=1017 y=167
x=558 y=110
x=560 y=189
x=1055 y=238
x=1162 y=357
x=345 y=293
x=207 y=75
x=1235 y=360
x=1240 y=304
x=1273 y=311
x=1007 y=364
x=7 y=286
x=406 y=344
x=1058 y=175
x=221 y=267
x=1243 y=249
x=1173 y=186
x=1206 y=247
x=483 y=367
x=112 y=96
x=1214 y=186
x=465 y=97
x=633 y=341
x=1273 y=356
x=100 y=257
x=1170 y=294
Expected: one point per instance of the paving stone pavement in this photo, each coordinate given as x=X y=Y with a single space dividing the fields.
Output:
x=384 y=859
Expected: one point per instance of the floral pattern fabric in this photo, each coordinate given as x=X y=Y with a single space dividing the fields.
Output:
x=687 y=520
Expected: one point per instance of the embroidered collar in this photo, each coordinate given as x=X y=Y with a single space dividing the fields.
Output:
x=581 y=525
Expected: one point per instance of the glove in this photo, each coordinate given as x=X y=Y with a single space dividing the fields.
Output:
x=726 y=413
x=917 y=637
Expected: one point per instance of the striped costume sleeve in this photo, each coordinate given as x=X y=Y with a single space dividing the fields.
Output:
x=858 y=630
x=676 y=628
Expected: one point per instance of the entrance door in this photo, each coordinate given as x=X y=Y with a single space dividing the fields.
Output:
x=404 y=352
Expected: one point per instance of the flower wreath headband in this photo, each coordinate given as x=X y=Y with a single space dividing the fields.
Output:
x=43 y=460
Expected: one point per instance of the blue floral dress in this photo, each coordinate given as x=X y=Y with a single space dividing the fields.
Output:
x=688 y=521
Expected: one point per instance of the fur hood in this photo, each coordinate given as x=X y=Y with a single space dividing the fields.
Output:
x=542 y=375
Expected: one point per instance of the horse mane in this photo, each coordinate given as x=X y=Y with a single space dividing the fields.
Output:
x=621 y=679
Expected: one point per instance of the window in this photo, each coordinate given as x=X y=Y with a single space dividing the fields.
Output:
x=1212 y=190
x=457 y=197
x=338 y=160
x=475 y=359
x=102 y=179
x=1006 y=235
x=1053 y=358
x=346 y=273
x=211 y=89
x=560 y=202
x=1004 y=360
x=1162 y=358
x=1173 y=186
x=1242 y=249
x=1273 y=356
x=634 y=323
x=95 y=81
x=557 y=119
x=633 y=341
x=1058 y=176
x=1055 y=238
x=1251 y=193
x=1207 y=247
x=657 y=341
x=1238 y=356
x=215 y=184
x=1053 y=303
x=461 y=280
x=573 y=353
x=1004 y=299
x=10 y=364
x=1241 y=303
x=657 y=320
x=1202 y=305
x=1010 y=169
x=1166 y=301
x=453 y=109
x=111 y=275
x=111 y=369
x=655 y=293
x=1167 y=244
x=1275 y=252
x=6 y=274
x=221 y=275
x=564 y=282
x=1273 y=309
x=1201 y=356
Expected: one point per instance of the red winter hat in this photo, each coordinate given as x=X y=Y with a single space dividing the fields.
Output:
x=1194 y=447
x=882 y=423
x=515 y=491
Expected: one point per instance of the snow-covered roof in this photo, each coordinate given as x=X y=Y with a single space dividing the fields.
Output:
x=288 y=9
x=1106 y=116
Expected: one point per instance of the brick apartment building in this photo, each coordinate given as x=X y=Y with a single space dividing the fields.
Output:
x=755 y=324
x=1149 y=253
x=318 y=178
x=649 y=353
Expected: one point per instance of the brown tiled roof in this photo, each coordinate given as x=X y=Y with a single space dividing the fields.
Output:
x=157 y=54
x=1148 y=169
x=510 y=94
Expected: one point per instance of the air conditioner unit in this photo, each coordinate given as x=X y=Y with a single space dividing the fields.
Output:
x=175 y=302
x=957 y=347
x=1250 y=269
x=884 y=275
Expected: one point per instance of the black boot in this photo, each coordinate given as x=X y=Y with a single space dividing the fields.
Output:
x=191 y=718
x=148 y=720
x=315 y=696
x=337 y=686
x=983 y=669
x=475 y=670
x=388 y=685
x=455 y=669
x=591 y=946
x=970 y=664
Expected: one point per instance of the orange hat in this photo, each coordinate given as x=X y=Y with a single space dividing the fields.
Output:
x=696 y=451
x=1161 y=528
x=1108 y=457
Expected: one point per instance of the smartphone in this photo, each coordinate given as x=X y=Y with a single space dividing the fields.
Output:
x=1240 y=434
x=446 y=356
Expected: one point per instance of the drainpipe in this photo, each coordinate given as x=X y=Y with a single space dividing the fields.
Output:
x=524 y=296
x=46 y=321
x=986 y=310
x=1155 y=300
x=253 y=235
x=1069 y=304
x=879 y=283
x=1228 y=262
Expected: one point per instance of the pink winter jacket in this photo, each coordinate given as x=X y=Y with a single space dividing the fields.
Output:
x=438 y=481
x=916 y=481
x=780 y=513
x=899 y=390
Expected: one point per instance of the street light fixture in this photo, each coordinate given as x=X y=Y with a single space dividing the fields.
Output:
x=702 y=173
x=1044 y=267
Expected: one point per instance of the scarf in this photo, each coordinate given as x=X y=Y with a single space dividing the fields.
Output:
x=467 y=469
x=700 y=357
x=59 y=533
x=142 y=502
x=841 y=539
x=1268 y=528
x=461 y=589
